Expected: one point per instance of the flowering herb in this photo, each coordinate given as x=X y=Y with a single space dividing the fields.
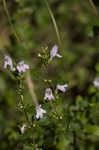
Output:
x=39 y=112
x=21 y=67
x=61 y=87
x=8 y=63
x=54 y=52
x=48 y=94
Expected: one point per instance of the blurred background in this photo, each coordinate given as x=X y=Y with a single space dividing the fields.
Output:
x=78 y=24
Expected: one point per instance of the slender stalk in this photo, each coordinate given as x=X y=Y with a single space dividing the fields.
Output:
x=54 y=22
x=9 y=19
x=22 y=100
x=25 y=113
x=93 y=6
x=31 y=88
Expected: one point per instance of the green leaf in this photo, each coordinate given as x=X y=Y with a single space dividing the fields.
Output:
x=92 y=129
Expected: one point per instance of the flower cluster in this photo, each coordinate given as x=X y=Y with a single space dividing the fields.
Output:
x=21 y=66
x=49 y=96
x=48 y=91
x=47 y=56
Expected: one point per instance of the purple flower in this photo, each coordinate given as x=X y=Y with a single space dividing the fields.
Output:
x=21 y=67
x=54 y=52
x=8 y=62
x=39 y=112
x=48 y=94
x=62 y=87
x=96 y=82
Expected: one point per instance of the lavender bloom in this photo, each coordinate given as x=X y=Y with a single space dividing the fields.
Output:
x=54 y=52
x=96 y=82
x=39 y=112
x=22 y=129
x=62 y=87
x=21 y=67
x=48 y=94
x=8 y=62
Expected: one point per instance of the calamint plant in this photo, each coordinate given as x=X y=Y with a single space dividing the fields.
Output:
x=51 y=102
x=51 y=95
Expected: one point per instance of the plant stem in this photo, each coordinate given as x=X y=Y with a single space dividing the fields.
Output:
x=9 y=19
x=22 y=100
x=93 y=6
x=54 y=22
